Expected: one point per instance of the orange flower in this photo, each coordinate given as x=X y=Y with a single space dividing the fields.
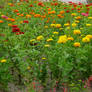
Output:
x=37 y=15
x=22 y=15
x=12 y=20
x=62 y=12
x=49 y=9
x=18 y=13
x=28 y=16
x=1 y=21
x=59 y=15
x=16 y=10
x=53 y=12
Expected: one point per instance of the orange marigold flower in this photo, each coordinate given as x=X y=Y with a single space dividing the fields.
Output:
x=1 y=21
x=62 y=12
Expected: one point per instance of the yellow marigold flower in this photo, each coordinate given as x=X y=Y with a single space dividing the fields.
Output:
x=3 y=60
x=70 y=38
x=76 y=21
x=68 y=27
x=76 y=44
x=55 y=32
x=77 y=32
x=10 y=24
x=74 y=24
x=32 y=40
x=46 y=27
x=28 y=16
x=78 y=17
x=89 y=17
x=85 y=39
x=43 y=58
x=67 y=24
x=28 y=67
x=88 y=25
x=52 y=25
x=48 y=40
x=89 y=36
x=21 y=22
x=47 y=45
x=58 y=25
x=62 y=39
x=73 y=14
x=60 y=28
x=40 y=37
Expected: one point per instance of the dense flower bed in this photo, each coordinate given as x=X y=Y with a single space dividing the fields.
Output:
x=49 y=42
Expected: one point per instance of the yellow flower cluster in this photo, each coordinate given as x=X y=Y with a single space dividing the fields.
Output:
x=56 y=25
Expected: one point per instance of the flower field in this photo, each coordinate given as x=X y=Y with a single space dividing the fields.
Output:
x=49 y=43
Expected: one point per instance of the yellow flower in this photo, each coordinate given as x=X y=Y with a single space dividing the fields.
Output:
x=28 y=67
x=58 y=25
x=70 y=38
x=48 y=40
x=47 y=45
x=68 y=27
x=74 y=24
x=46 y=27
x=55 y=32
x=21 y=22
x=73 y=14
x=76 y=44
x=62 y=39
x=88 y=25
x=76 y=21
x=43 y=58
x=78 y=17
x=89 y=17
x=85 y=39
x=60 y=28
x=52 y=25
x=77 y=32
x=10 y=24
x=89 y=36
x=28 y=16
x=3 y=60
x=40 y=37
x=32 y=40
x=67 y=24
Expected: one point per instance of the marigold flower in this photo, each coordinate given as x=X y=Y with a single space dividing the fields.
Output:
x=48 y=40
x=52 y=25
x=89 y=36
x=3 y=60
x=88 y=25
x=67 y=24
x=62 y=39
x=47 y=45
x=73 y=14
x=45 y=26
x=89 y=17
x=58 y=25
x=55 y=32
x=74 y=24
x=1 y=21
x=76 y=44
x=62 y=12
x=70 y=38
x=77 y=32
x=39 y=37
x=85 y=39
x=78 y=17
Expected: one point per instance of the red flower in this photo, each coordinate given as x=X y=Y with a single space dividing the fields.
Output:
x=19 y=33
x=14 y=26
x=16 y=30
x=65 y=7
x=55 y=4
x=25 y=21
x=30 y=5
x=67 y=11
